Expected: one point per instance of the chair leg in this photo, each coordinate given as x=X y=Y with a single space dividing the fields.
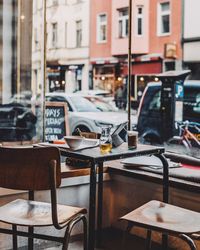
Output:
x=14 y=237
x=69 y=229
x=148 y=240
x=189 y=241
x=66 y=239
x=125 y=234
x=30 y=240
x=164 y=241
x=85 y=239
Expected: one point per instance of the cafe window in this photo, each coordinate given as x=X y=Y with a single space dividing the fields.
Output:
x=139 y=21
x=54 y=2
x=36 y=41
x=155 y=104
x=101 y=28
x=54 y=34
x=66 y=34
x=163 y=21
x=123 y=23
x=78 y=34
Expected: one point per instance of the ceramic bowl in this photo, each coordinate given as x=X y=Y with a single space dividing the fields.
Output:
x=73 y=141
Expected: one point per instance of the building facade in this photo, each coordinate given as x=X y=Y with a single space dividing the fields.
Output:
x=165 y=27
x=67 y=44
x=104 y=67
x=191 y=37
x=87 y=43
x=15 y=47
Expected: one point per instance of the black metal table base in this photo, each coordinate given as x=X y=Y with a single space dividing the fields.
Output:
x=100 y=199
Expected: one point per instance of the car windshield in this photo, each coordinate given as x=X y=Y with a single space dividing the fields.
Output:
x=100 y=104
x=83 y=105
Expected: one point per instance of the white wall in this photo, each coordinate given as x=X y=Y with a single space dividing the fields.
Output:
x=191 y=30
x=66 y=52
x=191 y=18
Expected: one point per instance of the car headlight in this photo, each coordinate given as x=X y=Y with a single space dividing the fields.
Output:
x=101 y=124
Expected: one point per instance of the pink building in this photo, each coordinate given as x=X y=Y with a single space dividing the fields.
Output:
x=156 y=36
x=140 y=24
x=165 y=32
x=104 y=66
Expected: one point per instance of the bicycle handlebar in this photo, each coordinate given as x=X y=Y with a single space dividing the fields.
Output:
x=186 y=124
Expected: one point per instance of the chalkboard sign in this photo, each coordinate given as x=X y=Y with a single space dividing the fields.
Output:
x=56 y=120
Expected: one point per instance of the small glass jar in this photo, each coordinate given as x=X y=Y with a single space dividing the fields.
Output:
x=105 y=140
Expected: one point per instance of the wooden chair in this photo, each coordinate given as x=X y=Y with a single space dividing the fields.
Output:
x=167 y=219
x=36 y=169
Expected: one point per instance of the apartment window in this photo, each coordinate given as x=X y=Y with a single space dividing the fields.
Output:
x=78 y=33
x=123 y=23
x=54 y=2
x=139 y=21
x=66 y=34
x=36 y=38
x=164 y=18
x=54 y=34
x=101 y=28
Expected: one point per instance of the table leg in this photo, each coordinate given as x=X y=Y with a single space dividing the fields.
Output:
x=100 y=205
x=165 y=192
x=92 y=206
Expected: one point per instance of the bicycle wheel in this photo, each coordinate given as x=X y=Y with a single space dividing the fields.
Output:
x=178 y=144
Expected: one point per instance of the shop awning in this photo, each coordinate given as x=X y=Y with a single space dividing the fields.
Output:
x=104 y=60
x=146 y=64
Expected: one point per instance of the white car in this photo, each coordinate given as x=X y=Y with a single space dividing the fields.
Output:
x=105 y=95
x=84 y=115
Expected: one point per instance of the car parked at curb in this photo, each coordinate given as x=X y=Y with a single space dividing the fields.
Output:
x=84 y=115
x=104 y=95
x=17 y=122
x=149 y=123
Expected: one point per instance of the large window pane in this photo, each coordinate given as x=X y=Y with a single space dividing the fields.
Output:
x=85 y=52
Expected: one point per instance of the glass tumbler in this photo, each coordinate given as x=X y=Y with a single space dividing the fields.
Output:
x=105 y=140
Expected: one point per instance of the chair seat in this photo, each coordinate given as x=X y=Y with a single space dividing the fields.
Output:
x=34 y=213
x=163 y=217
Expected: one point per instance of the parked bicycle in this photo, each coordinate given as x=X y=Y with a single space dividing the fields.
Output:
x=186 y=137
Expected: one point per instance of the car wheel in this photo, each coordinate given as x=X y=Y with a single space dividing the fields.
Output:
x=82 y=128
x=150 y=139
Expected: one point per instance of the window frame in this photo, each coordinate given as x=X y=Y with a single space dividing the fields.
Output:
x=160 y=15
x=79 y=34
x=139 y=16
x=99 y=25
x=54 y=37
x=55 y=2
x=66 y=34
x=123 y=19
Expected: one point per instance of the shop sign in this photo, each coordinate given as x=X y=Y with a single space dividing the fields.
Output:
x=56 y=120
x=170 y=50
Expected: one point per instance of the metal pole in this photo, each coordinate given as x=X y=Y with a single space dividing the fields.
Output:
x=43 y=66
x=129 y=63
x=18 y=46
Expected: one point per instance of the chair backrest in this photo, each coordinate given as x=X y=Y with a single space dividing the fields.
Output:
x=28 y=168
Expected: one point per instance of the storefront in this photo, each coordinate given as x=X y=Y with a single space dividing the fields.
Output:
x=66 y=78
x=144 y=69
x=106 y=74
